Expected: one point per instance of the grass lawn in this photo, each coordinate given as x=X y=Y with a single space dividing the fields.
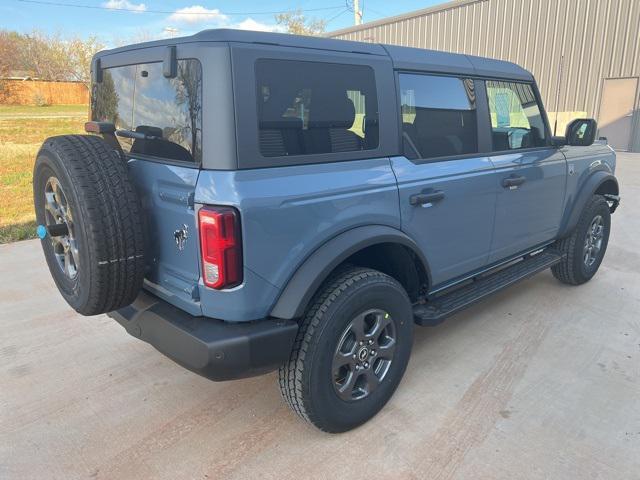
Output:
x=51 y=110
x=22 y=131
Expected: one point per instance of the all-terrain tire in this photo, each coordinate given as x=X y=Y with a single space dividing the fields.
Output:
x=83 y=185
x=573 y=270
x=306 y=381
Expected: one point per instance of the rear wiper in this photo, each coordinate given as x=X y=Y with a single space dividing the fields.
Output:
x=136 y=135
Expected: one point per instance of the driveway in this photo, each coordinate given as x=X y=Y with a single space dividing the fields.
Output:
x=541 y=381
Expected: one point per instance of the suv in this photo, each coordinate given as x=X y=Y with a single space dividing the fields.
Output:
x=250 y=201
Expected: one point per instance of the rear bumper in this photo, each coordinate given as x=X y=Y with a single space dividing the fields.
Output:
x=212 y=348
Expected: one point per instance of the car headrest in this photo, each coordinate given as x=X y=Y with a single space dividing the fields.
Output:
x=332 y=113
x=271 y=117
x=149 y=130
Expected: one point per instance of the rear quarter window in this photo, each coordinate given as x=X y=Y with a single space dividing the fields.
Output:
x=307 y=108
x=168 y=111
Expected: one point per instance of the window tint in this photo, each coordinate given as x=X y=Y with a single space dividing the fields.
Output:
x=516 y=121
x=438 y=116
x=308 y=108
x=167 y=110
x=112 y=100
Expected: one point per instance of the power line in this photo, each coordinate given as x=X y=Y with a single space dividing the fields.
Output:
x=378 y=12
x=167 y=12
x=336 y=16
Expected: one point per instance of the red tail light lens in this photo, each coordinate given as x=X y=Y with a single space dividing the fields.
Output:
x=221 y=247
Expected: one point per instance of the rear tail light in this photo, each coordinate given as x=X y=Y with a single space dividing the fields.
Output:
x=221 y=247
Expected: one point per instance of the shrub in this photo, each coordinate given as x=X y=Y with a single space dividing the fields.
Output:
x=40 y=100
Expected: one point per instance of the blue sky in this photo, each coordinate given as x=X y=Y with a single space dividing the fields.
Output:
x=185 y=16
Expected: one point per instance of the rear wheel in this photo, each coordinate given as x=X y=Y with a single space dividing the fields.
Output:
x=351 y=350
x=584 y=249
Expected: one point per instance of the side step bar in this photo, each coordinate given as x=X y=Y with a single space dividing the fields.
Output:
x=439 y=308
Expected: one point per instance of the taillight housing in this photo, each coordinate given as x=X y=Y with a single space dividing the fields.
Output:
x=220 y=247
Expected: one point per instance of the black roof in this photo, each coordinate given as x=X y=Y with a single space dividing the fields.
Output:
x=402 y=57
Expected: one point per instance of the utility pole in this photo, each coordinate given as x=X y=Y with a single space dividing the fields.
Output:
x=357 y=13
x=170 y=31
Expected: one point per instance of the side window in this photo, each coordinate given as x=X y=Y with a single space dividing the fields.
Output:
x=307 y=108
x=438 y=116
x=516 y=121
x=168 y=111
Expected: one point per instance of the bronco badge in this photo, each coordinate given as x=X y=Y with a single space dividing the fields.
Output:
x=181 y=236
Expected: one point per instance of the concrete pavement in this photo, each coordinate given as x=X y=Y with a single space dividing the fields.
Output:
x=541 y=381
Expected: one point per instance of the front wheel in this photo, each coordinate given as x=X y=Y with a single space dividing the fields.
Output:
x=351 y=350
x=584 y=249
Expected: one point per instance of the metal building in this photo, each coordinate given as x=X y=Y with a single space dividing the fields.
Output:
x=584 y=52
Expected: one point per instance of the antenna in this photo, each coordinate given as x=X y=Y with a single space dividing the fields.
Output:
x=555 y=123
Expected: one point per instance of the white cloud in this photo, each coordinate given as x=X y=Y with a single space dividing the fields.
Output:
x=251 y=24
x=125 y=5
x=197 y=14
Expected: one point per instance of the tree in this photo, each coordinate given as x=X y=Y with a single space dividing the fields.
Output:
x=79 y=55
x=49 y=57
x=188 y=86
x=7 y=49
x=105 y=100
x=295 y=22
x=6 y=52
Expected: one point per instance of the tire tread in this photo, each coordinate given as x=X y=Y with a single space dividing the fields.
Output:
x=111 y=219
x=290 y=374
x=567 y=271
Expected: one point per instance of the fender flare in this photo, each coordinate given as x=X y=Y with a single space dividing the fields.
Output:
x=301 y=287
x=589 y=188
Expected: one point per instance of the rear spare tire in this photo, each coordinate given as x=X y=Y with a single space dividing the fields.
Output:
x=89 y=223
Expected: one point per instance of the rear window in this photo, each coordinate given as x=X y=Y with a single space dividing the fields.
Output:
x=438 y=116
x=167 y=111
x=307 y=108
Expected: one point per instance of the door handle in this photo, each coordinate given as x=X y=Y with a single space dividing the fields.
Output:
x=424 y=198
x=513 y=181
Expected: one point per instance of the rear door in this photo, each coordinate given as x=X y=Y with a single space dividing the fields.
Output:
x=447 y=189
x=159 y=128
x=531 y=174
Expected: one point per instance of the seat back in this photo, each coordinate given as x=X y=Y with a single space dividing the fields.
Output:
x=329 y=122
x=279 y=135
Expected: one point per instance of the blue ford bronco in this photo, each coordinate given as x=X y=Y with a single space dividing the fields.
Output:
x=248 y=202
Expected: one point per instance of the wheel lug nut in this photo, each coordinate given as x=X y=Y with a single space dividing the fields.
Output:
x=361 y=343
x=355 y=356
x=373 y=352
x=366 y=364
x=370 y=342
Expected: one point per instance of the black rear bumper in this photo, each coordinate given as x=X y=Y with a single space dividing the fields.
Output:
x=213 y=348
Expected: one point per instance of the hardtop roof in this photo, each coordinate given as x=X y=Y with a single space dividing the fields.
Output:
x=402 y=57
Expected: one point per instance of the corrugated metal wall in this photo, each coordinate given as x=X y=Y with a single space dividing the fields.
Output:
x=598 y=38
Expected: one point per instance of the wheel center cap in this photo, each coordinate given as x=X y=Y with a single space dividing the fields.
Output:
x=363 y=353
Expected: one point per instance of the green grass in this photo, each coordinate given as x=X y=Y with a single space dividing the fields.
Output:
x=20 y=139
x=30 y=110
x=17 y=231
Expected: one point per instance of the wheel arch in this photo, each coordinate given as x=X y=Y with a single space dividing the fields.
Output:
x=599 y=183
x=376 y=246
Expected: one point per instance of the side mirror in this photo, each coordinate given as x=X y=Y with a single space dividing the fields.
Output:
x=581 y=132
